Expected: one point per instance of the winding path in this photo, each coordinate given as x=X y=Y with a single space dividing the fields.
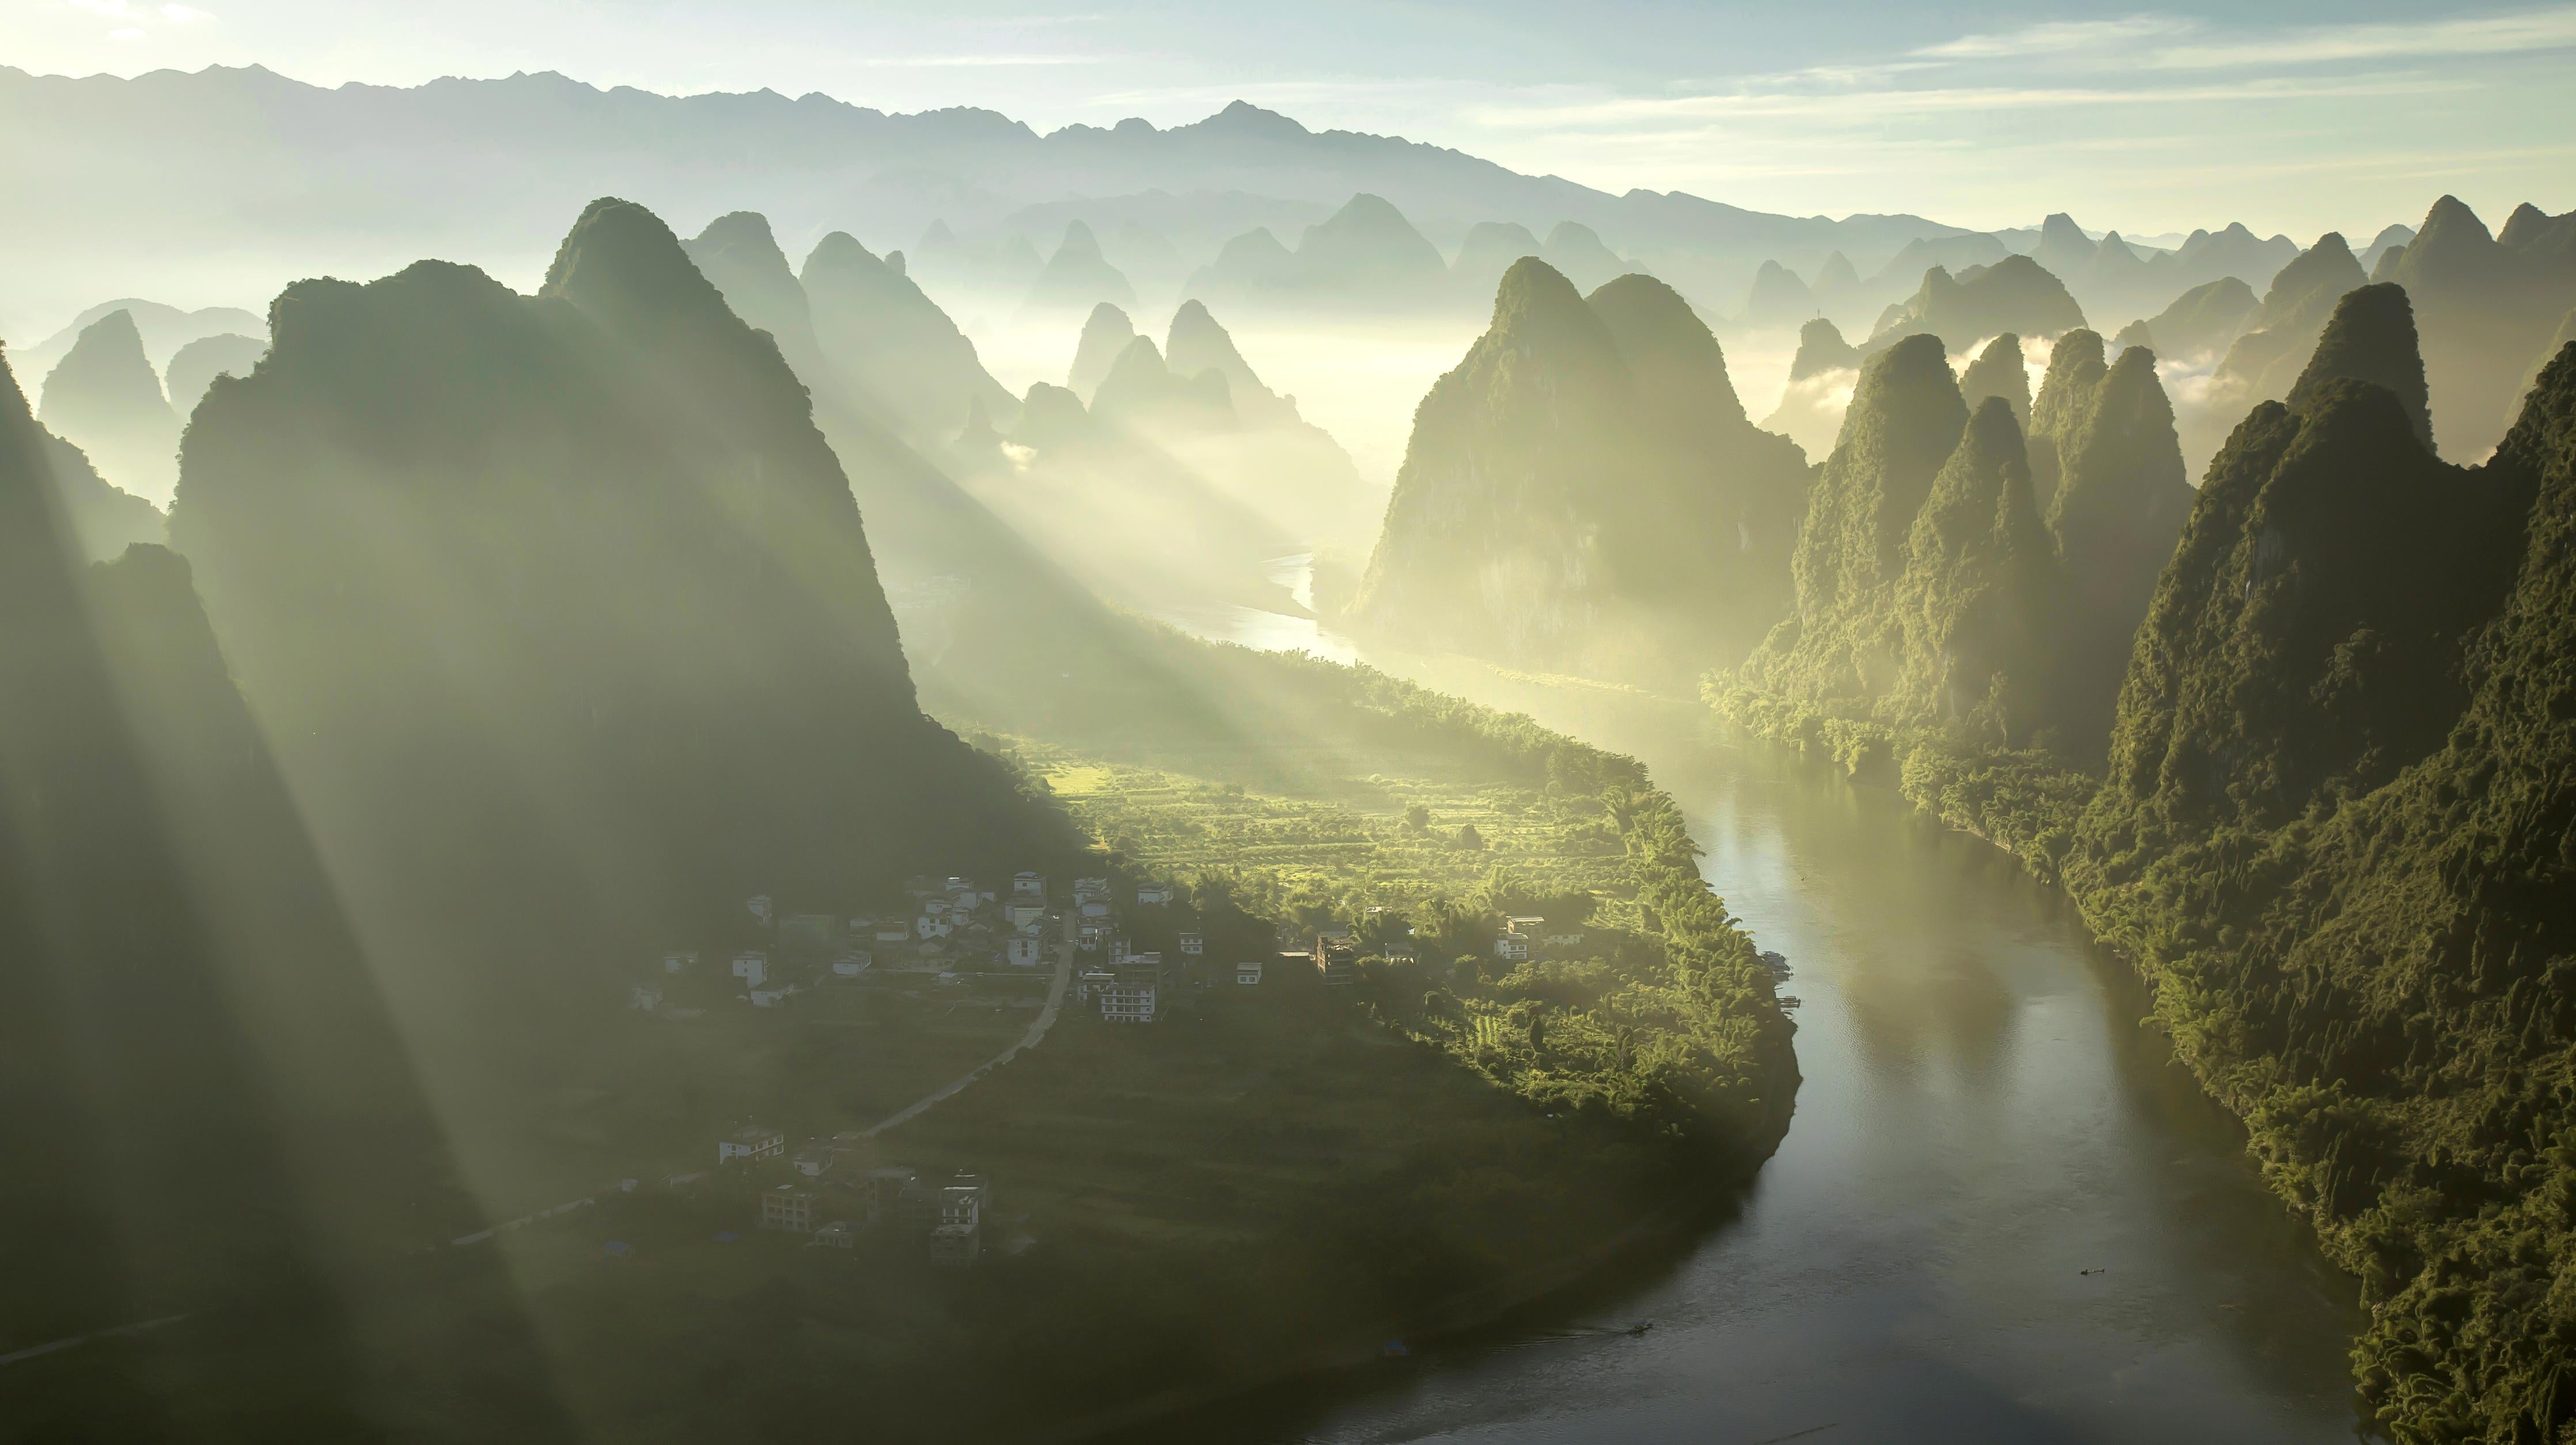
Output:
x=1037 y=1030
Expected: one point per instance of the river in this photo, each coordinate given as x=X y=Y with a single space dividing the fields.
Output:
x=2002 y=1212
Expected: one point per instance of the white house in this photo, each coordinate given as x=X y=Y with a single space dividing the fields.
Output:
x=894 y=933
x=771 y=995
x=679 y=962
x=1152 y=895
x=760 y=906
x=1133 y=992
x=646 y=996
x=750 y=1141
x=1023 y=951
x=1028 y=888
x=751 y=966
x=1192 y=944
x=851 y=965
x=1247 y=973
x=1512 y=948
x=813 y=1159
x=1027 y=915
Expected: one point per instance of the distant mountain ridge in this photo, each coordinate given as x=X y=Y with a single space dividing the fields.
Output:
x=492 y=165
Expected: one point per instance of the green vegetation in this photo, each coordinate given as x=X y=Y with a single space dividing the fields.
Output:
x=569 y=620
x=1583 y=493
x=2334 y=837
x=2371 y=337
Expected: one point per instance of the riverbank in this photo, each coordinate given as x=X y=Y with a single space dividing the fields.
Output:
x=2003 y=1205
x=2407 y=1140
x=1549 y=1163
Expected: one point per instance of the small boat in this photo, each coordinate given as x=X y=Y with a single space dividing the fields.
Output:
x=1640 y=1327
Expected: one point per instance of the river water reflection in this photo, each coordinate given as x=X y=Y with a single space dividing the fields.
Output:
x=2001 y=1214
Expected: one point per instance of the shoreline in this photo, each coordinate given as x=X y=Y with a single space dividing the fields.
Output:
x=1460 y=1316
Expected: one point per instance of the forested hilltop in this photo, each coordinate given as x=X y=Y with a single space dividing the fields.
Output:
x=1584 y=493
x=2332 y=818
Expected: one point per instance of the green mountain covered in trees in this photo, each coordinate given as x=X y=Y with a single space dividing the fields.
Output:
x=186 y=1014
x=1583 y=492
x=2336 y=837
x=567 y=610
x=2335 y=821
x=1953 y=579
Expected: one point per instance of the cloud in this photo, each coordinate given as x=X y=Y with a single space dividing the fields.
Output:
x=2506 y=34
x=1873 y=105
x=1031 y=58
x=2057 y=37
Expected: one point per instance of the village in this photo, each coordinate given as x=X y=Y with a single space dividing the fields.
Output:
x=960 y=947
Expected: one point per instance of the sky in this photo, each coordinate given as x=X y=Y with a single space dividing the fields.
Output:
x=2294 y=117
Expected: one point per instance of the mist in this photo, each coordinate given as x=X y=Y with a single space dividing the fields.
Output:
x=691 y=766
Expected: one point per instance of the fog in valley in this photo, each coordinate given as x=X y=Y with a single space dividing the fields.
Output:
x=1136 y=727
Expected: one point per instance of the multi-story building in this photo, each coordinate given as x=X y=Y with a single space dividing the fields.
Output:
x=750 y=1141
x=1134 y=990
x=789 y=1207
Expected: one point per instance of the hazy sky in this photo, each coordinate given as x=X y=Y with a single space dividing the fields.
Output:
x=2294 y=117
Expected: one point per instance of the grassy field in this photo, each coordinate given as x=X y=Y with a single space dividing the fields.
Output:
x=1271 y=1179
x=1348 y=839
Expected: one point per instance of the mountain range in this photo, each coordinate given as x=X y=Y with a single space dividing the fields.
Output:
x=223 y=156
